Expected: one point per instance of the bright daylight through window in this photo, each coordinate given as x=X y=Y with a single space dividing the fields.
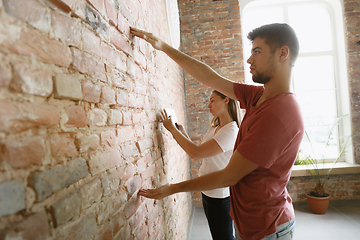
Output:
x=319 y=78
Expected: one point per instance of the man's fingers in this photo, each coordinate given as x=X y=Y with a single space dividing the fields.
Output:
x=148 y=193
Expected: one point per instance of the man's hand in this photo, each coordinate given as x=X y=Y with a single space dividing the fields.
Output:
x=149 y=37
x=157 y=193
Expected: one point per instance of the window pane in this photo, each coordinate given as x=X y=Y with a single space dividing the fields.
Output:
x=321 y=146
x=314 y=73
x=315 y=89
x=313 y=27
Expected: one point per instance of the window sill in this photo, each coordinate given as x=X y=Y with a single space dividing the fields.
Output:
x=339 y=168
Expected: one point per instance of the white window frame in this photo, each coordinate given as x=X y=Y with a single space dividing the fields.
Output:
x=172 y=11
x=335 y=8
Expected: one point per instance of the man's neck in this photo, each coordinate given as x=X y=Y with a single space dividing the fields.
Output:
x=273 y=88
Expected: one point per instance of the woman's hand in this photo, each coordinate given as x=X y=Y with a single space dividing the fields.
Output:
x=149 y=37
x=166 y=120
x=157 y=193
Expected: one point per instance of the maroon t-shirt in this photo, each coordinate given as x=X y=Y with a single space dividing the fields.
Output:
x=269 y=136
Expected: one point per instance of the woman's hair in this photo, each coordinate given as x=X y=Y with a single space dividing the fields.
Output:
x=232 y=109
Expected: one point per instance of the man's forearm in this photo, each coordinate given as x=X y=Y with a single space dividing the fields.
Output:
x=206 y=182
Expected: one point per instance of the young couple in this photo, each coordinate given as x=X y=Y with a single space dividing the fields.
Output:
x=267 y=141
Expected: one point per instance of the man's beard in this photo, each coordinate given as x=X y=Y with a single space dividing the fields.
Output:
x=265 y=76
x=261 y=78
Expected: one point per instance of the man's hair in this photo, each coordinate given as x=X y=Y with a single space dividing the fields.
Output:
x=277 y=35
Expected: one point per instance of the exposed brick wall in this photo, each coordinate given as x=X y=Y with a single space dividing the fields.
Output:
x=79 y=134
x=210 y=32
x=352 y=19
x=341 y=187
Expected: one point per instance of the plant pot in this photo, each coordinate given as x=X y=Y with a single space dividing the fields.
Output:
x=318 y=205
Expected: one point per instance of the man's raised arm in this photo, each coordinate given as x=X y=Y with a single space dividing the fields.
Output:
x=200 y=71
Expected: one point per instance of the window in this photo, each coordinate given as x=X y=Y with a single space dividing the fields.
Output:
x=173 y=22
x=319 y=76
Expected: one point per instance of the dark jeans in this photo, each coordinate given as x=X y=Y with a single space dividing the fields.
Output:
x=217 y=211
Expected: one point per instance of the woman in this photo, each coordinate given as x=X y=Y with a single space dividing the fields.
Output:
x=215 y=150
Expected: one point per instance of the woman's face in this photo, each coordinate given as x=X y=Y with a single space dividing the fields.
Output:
x=217 y=105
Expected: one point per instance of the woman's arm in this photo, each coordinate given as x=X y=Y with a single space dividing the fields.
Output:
x=196 y=153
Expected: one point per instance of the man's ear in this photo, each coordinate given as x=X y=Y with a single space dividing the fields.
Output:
x=284 y=53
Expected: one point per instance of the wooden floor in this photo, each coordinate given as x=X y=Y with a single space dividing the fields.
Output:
x=341 y=222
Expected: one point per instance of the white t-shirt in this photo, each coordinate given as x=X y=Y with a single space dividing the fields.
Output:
x=225 y=138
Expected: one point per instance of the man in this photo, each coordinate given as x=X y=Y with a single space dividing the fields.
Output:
x=268 y=140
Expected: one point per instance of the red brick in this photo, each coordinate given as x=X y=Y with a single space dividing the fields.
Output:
x=133 y=184
x=83 y=229
x=123 y=26
x=101 y=161
x=20 y=117
x=129 y=150
x=67 y=86
x=122 y=98
x=32 y=79
x=65 y=28
x=5 y=72
x=31 y=43
x=132 y=205
x=98 y=5
x=139 y=220
x=42 y=114
x=124 y=10
x=108 y=138
x=131 y=100
x=107 y=95
x=97 y=117
x=8 y=111
x=145 y=144
x=29 y=11
x=139 y=58
x=63 y=144
x=23 y=152
x=132 y=6
x=64 y=5
x=110 y=54
x=91 y=193
x=119 y=79
x=105 y=232
x=139 y=117
x=127 y=118
x=34 y=227
x=87 y=143
x=88 y=64
x=91 y=92
x=115 y=117
x=118 y=222
x=111 y=12
x=148 y=173
x=140 y=88
x=125 y=134
x=77 y=116
x=91 y=42
x=120 y=41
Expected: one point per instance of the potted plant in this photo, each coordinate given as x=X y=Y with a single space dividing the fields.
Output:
x=318 y=199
